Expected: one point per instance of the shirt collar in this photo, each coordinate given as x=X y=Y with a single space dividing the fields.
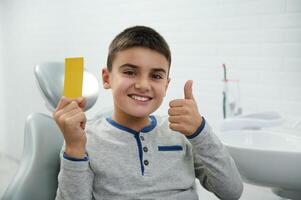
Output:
x=145 y=129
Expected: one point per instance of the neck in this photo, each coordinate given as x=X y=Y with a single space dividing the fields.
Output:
x=132 y=122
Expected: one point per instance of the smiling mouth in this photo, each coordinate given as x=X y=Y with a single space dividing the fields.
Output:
x=140 y=98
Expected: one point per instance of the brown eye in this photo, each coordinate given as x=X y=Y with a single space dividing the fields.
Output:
x=157 y=76
x=129 y=73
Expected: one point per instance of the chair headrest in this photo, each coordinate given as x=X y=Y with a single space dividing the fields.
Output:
x=50 y=81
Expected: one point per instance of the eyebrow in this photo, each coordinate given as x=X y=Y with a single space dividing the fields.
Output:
x=136 y=67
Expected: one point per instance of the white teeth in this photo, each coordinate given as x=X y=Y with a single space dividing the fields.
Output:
x=139 y=98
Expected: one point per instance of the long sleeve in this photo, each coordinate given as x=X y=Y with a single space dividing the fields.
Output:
x=75 y=180
x=214 y=166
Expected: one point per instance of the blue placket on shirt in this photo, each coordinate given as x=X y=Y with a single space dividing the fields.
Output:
x=139 y=144
x=137 y=136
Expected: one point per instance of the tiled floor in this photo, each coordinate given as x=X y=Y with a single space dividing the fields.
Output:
x=8 y=168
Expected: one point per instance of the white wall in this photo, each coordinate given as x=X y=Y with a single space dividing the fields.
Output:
x=2 y=88
x=259 y=40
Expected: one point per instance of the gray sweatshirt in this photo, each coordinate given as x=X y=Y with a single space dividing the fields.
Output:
x=154 y=163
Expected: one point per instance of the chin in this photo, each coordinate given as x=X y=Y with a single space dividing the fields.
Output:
x=139 y=113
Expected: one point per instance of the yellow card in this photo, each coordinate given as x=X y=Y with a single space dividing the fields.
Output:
x=74 y=72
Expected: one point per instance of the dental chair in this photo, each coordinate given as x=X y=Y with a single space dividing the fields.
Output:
x=36 y=178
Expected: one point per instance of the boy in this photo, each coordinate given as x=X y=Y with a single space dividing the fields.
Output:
x=132 y=154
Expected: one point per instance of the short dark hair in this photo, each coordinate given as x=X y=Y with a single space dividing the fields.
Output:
x=138 y=36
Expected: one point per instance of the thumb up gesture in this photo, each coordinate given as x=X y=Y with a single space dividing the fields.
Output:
x=183 y=114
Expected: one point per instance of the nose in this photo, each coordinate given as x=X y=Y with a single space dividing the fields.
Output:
x=142 y=84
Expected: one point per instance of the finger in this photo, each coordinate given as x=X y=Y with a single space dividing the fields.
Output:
x=176 y=127
x=77 y=118
x=79 y=99
x=82 y=102
x=72 y=112
x=57 y=114
x=67 y=111
x=73 y=119
x=71 y=106
x=62 y=103
x=83 y=125
x=177 y=111
x=63 y=116
x=175 y=119
x=188 y=90
x=177 y=103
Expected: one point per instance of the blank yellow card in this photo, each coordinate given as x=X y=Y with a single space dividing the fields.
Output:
x=74 y=72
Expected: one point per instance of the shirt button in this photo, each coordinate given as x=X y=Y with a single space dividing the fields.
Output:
x=146 y=162
x=145 y=149
x=142 y=138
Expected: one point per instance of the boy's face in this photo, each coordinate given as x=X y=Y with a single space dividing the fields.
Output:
x=139 y=80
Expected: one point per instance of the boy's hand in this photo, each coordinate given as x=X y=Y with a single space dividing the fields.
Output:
x=71 y=119
x=183 y=113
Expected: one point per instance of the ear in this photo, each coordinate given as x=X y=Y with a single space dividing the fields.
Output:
x=105 y=78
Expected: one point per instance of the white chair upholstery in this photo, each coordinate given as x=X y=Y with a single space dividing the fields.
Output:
x=37 y=175
x=36 y=178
